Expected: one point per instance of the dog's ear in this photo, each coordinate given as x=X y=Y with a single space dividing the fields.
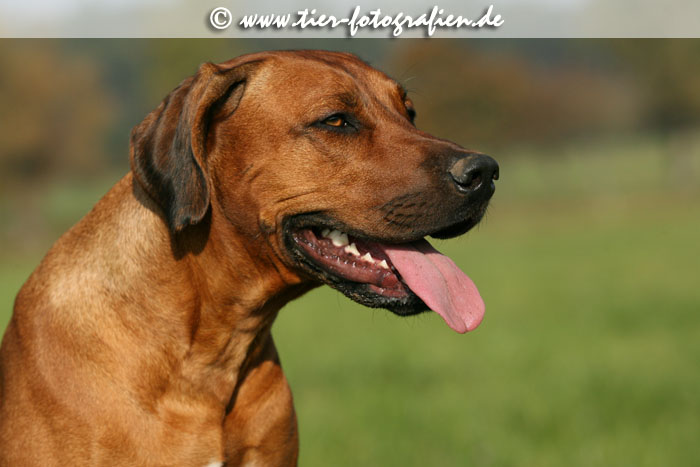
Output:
x=168 y=149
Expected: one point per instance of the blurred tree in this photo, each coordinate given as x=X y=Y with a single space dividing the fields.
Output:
x=491 y=94
x=141 y=72
x=669 y=71
x=68 y=106
x=54 y=114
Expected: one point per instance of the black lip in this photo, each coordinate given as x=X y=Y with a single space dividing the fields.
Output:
x=456 y=230
x=359 y=292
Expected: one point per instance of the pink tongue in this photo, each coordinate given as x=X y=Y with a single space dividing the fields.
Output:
x=438 y=281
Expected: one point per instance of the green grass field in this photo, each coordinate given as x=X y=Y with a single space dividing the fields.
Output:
x=589 y=354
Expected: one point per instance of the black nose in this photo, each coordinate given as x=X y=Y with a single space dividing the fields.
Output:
x=474 y=173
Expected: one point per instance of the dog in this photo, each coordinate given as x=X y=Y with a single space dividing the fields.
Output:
x=143 y=337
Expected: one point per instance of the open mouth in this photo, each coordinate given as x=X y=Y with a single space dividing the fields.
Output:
x=406 y=278
x=353 y=260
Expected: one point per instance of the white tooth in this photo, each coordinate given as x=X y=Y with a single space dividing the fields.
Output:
x=367 y=257
x=382 y=264
x=339 y=238
x=333 y=235
x=325 y=232
x=352 y=249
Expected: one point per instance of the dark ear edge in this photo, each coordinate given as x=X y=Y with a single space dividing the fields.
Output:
x=168 y=148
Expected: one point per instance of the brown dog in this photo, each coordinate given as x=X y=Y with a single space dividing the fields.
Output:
x=143 y=337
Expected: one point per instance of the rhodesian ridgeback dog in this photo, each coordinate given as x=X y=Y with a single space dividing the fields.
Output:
x=143 y=337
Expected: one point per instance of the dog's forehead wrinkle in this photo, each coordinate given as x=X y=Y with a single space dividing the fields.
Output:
x=328 y=93
x=349 y=99
x=339 y=83
x=295 y=196
x=342 y=74
x=386 y=95
x=338 y=101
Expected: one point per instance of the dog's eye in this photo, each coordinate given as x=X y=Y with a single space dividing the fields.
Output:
x=336 y=121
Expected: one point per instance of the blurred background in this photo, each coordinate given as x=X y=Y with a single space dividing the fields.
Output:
x=588 y=259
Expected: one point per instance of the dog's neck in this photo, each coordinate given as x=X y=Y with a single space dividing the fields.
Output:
x=218 y=330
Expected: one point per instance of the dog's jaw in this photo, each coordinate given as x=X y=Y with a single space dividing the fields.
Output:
x=405 y=277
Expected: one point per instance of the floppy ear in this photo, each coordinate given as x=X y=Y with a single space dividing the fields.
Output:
x=168 y=149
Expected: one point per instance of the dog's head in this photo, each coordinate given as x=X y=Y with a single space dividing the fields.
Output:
x=316 y=154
